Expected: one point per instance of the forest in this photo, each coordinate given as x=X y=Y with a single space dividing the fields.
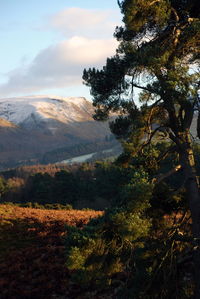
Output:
x=145 y=242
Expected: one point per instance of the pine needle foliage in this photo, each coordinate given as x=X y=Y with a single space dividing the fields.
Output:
x=158 y=54
x=104 y=247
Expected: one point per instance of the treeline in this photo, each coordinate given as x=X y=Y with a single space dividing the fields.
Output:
x=23 y=172
x=87 y=186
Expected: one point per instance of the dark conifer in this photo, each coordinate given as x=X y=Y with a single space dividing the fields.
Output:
x=158 y=54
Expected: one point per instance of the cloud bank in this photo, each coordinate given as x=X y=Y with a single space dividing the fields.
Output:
x=60 y=65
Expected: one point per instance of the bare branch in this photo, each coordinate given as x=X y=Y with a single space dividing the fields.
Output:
x=165 y=154
x=144 y=88
x=151 y=137
x=156 y=102
x=153 y=2
x=132 y=93
x=174 y=138
x=175 y=14
x=166 y=175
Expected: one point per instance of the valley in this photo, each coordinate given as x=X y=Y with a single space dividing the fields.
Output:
x=46 y=129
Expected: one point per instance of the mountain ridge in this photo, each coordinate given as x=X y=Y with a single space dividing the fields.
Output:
x=30 y=126
x=17 y=109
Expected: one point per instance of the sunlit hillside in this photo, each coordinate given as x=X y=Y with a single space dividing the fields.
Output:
x=32 y=253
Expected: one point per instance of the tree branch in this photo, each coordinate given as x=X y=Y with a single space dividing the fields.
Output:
x=153 y=2
x=166 y=175
x=144 y=88
x=150 y=137
x=174 y=139
x=165 y=154
x=156 y=102
x=175 y=14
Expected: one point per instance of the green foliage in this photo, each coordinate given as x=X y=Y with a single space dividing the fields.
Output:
x=132 y=248
x=104 y=247
x=138 y=13
x=87 y=186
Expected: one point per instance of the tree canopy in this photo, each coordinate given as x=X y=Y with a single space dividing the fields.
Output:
x=158 y=54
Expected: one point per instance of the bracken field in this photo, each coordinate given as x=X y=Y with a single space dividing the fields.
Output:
x=32 y=254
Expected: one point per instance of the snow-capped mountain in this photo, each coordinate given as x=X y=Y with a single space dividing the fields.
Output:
x=33 y=125
x=44 y=108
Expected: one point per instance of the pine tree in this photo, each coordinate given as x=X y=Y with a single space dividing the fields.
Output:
x=158 y=54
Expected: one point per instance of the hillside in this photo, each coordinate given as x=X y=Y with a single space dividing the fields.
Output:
x=32 y=126
x=32 y=253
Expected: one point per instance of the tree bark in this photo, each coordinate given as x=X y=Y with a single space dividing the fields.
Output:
x=187 y=162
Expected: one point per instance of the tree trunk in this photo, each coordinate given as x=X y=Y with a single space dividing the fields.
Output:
x=192 y=189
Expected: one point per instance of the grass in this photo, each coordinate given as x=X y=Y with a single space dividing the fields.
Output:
x=32 y=253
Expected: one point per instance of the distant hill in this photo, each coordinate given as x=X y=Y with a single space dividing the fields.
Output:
x=32 y=126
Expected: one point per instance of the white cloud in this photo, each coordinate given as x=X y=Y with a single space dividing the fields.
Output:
x=60 y=65
x=87 y=43
x=86 y=22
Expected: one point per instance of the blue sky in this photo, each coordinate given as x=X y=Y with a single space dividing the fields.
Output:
x=45 y=44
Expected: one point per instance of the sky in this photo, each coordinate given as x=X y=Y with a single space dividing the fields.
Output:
x=46 y=44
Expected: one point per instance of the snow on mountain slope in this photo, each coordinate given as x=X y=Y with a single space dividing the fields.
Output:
x=43 y=108
x=32 y=126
